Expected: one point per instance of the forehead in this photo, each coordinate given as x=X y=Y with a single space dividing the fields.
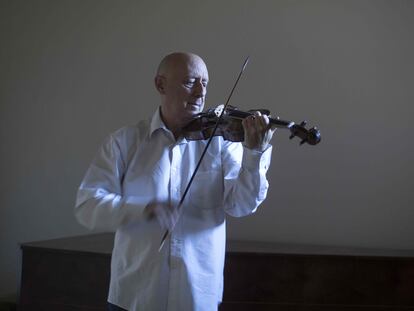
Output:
x=189 y=67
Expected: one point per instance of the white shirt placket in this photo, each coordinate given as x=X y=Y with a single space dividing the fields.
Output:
x=175 y=259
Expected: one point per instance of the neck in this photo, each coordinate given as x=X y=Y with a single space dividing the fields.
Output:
x=171 y=124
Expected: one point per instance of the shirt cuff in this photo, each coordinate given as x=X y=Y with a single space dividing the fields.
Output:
x=134 y=208
x=257 y=160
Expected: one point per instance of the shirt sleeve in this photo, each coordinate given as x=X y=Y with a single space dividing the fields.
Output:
x=245 y=183
x=100 y=203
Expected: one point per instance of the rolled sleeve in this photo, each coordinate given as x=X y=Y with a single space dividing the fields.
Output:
x=99 y=203
x=245 y=180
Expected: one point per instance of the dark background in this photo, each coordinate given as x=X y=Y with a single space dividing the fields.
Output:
x=73 y=71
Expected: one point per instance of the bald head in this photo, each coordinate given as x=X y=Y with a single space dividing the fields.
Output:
x=181 y=81
x=173 y=61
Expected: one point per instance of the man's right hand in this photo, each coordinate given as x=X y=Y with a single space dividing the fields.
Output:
x=165 y=214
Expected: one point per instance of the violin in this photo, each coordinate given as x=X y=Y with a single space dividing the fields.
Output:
x=229 y=125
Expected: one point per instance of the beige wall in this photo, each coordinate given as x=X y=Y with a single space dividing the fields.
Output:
x=73 y=71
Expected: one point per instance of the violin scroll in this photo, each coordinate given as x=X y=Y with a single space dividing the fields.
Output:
x=311 y=136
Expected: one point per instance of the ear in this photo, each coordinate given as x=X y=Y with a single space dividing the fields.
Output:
x=160 y=84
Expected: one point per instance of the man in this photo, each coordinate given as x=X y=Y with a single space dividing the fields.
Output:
x=139 y=175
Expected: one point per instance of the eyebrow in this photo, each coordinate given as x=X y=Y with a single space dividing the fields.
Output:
x=193 y=77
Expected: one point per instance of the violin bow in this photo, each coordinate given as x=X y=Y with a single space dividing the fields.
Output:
x=168 y=232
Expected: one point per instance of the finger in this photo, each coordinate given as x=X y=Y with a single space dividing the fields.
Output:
x=271 y=125
x=160 y=213
x=149 y=211
x=245 y=125
x=259 y=118
x=166 y=218
x=264 y=120
x=162 y=220
x=175 y=214
x=272 y=128
x=249 y=121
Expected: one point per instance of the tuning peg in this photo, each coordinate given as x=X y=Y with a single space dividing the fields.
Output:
x=303 y=141
x=303 y=123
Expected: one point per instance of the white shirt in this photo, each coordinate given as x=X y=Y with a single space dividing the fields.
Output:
x=144 y=163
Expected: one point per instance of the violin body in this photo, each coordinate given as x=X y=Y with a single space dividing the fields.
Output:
x=228 y=124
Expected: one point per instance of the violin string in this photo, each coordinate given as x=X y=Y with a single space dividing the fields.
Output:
x=168 y=232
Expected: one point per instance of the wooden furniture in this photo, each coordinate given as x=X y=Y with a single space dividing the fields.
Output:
x=66 y=274
x=73 y=274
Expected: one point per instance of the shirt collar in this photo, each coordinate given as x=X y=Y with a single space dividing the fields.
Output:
x=156 y=122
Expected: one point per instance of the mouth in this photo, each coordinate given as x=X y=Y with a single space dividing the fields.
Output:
x=194 y=106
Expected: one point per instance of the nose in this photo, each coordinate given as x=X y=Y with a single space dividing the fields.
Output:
x=200 y=89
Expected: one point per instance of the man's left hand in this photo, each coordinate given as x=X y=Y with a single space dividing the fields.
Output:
x=257 y=131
